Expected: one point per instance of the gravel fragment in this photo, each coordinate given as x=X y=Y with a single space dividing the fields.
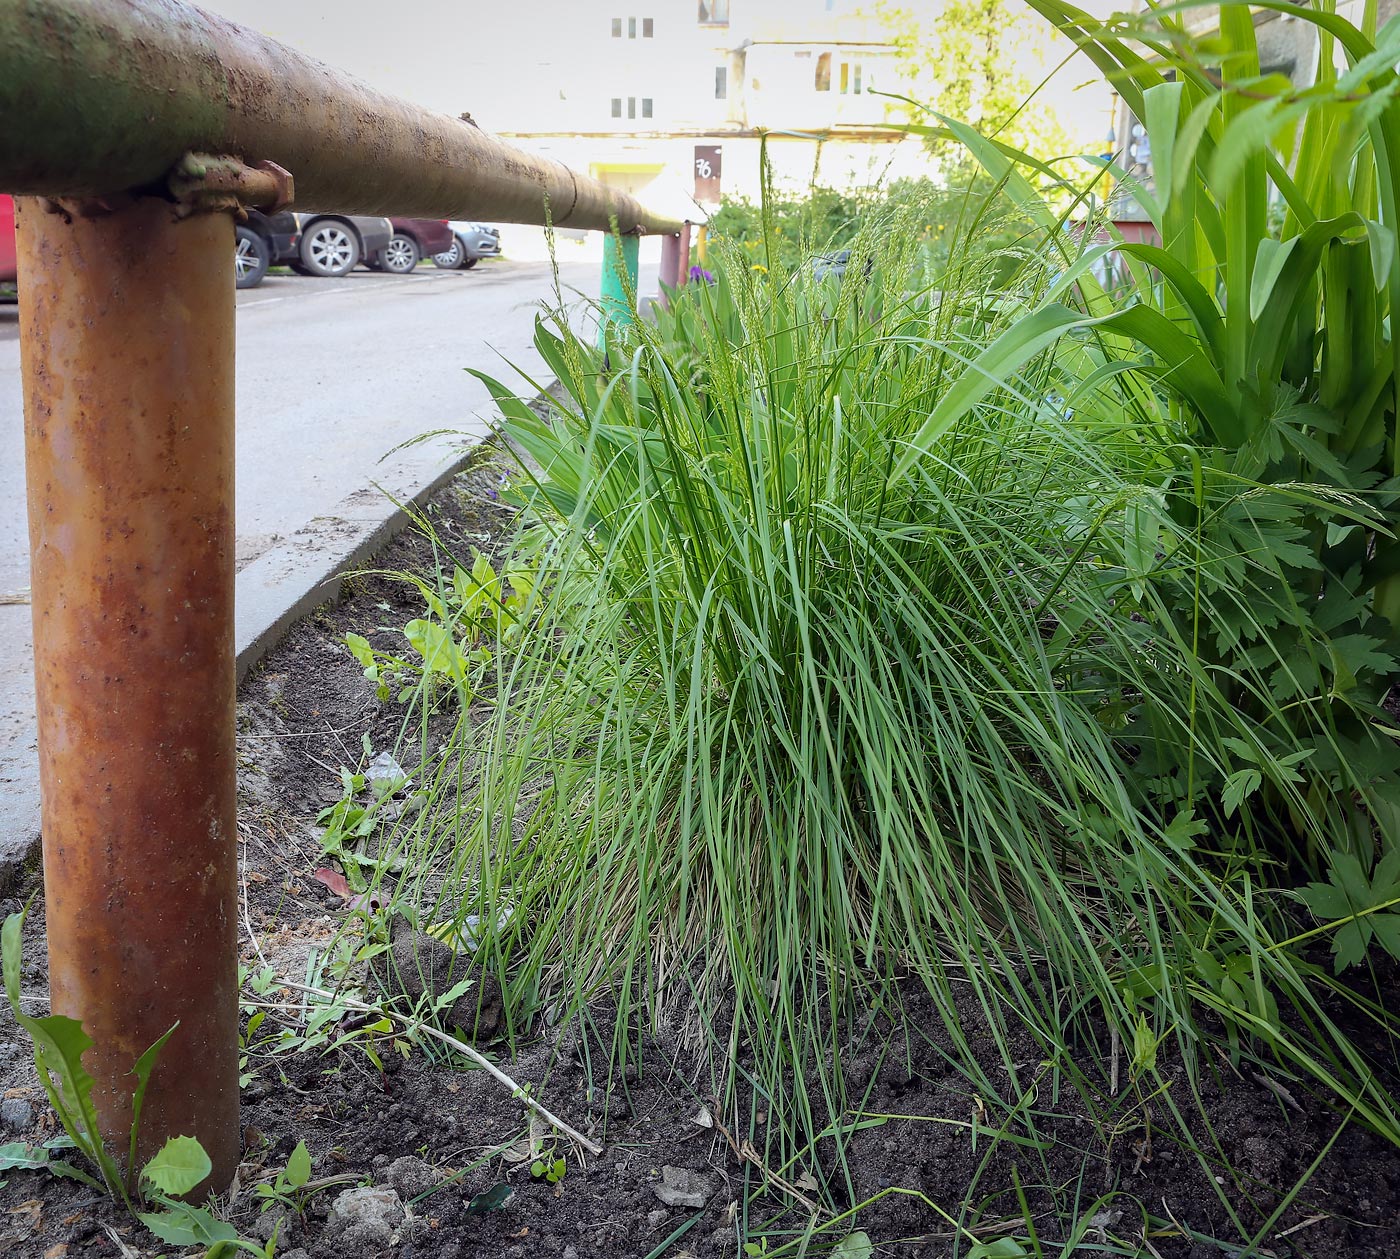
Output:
x=681 y=1187
x=363 y=1222
x=16 y=1115
x=409 y=1176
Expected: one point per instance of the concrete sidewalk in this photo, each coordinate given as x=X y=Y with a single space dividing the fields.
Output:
x=296 y=568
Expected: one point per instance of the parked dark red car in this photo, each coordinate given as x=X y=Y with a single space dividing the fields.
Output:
x=7 y=239
x=413 y=240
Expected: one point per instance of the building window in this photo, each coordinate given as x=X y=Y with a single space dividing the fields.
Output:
x=822 y=80
x=850 y=78
x=721 y=82
x=631 y=28
x=714 y=12
x=617 y=28
x=647 y=28
x=626 y=107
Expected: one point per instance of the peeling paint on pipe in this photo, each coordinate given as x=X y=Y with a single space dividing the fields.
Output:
x=127 y=355
x=113 y=92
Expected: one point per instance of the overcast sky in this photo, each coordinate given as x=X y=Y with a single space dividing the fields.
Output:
x=417 y=49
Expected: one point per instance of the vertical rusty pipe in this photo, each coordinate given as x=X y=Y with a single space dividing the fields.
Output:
x=126 y=335
x=683 y=249
x=670 y=267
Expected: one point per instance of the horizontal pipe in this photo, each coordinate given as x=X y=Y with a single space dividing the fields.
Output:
x=106 y=96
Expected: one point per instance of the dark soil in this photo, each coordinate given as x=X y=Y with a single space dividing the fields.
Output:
x=439 y=1133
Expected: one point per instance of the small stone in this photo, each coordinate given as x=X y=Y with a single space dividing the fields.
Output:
x=365 y=1218
x=409 y=1177
x=655 y=1219
x=681 y=1187
x=570 y=1252
x=278 y=1219
x=298 y=1253
x=16 y=1115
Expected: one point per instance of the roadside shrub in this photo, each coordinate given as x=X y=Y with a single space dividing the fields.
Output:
x=844 y=667
x=783 y=232
x=1269 y=341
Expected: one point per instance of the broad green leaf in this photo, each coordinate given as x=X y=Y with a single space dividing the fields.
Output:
x=360 y=649
x=21 y=1156
x=1163 y=115
x=184 y=1225
x=59 y=1045
x=1268 y=264
x=1382 y=242
x=492 y=1199
x=439 y=651
x=1002 y=1248
x=59 y=1168
x=178 y=1166
x=1183 y=831
x=11 y=952
x=1188 y=142
x=1200 y=304
x=854 y=1246
x=298 y=1166
x=447 y=999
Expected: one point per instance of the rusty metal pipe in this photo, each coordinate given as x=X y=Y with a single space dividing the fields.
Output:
x=127 y=353
x=672 y=265
x=112 y=93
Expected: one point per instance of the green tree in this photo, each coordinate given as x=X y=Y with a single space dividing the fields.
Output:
x=972 y=60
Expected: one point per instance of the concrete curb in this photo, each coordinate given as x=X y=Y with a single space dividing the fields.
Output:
x=273 y=593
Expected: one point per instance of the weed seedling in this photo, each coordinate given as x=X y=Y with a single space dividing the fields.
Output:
x=549 y=1169
x=288 y=1184
x=177 y=1168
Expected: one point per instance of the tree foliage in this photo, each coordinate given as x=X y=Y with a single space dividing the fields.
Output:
x=970 y=60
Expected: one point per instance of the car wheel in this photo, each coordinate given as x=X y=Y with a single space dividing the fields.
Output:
x=400 y=255
x=329 y=249
x=450 y=259
x=470 y=263
x=251 y=258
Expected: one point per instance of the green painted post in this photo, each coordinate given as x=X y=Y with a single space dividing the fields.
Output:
x=619 y=281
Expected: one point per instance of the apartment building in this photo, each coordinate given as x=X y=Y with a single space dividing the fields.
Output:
x=669 y=99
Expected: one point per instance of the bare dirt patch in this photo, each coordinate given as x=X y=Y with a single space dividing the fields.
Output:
x=442 y=1139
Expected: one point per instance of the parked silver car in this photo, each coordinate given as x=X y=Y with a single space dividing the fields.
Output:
x=335 y=244
x=471 y=242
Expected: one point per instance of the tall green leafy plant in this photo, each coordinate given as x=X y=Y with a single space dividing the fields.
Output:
x=1263 y=320
x=833 y=676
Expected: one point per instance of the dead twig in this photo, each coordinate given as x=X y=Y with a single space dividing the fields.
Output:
x=1278 y=1091
x=1298 y=1228
x=744 y=1151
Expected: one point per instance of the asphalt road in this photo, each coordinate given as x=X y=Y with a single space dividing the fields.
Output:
x=332 y=375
